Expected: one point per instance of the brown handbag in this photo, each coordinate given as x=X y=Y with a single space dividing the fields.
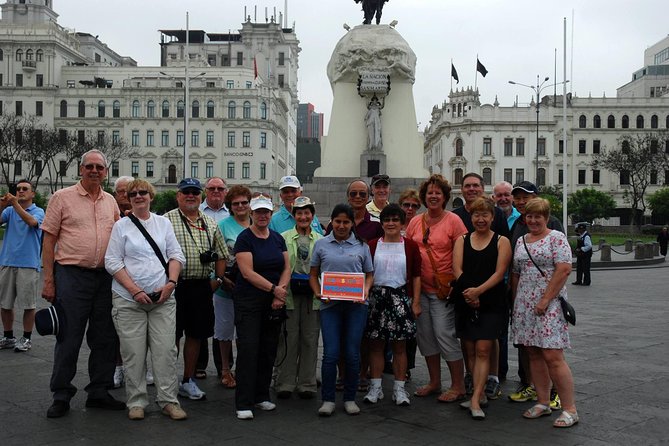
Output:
x=442 y=281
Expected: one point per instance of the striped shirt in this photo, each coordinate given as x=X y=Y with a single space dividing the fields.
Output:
x=196 y=237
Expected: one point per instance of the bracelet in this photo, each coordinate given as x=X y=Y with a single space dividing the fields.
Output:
x=140 y=291
x=272 y=289
x=173 y=281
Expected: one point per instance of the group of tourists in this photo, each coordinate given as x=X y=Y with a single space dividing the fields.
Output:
x=228 y=266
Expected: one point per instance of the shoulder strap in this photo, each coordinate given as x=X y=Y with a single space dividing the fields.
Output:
x=149 y=239
x=426 y=235
x=530 y=255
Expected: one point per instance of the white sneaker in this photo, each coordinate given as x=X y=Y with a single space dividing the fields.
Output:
x=244 y=415
x=351 y=408
x=119 y=376
x=23 y=345
x=401 y=397
x=374 y=395
x=6 y=342
x=266 y=405
x=326 y=409
x=149 y=378
x=191 y=390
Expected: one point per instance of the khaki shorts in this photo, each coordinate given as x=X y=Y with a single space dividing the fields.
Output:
x=20 y=286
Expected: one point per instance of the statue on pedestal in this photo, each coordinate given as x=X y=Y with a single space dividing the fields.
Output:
x=371 y=7
x=373 y=123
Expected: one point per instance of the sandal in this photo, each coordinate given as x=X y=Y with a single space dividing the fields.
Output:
x=537 y=411
x=200 y=374
x=228 y=380
x=426 y=391
x=566 y=419
x=451 y=396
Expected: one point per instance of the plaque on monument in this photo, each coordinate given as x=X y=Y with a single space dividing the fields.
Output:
x=375 y=82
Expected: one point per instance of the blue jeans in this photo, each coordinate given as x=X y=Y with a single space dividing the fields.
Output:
x=342 y=326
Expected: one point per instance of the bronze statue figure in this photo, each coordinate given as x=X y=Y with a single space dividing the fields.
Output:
x=370 y=8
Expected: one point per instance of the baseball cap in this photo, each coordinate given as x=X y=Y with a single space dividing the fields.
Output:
x=289 y=181
x=261 y=202
x=378 y=178
x=525 y=186
x=190 y=183
x=302 y=202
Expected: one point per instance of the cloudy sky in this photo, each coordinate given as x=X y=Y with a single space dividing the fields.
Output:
x=514 y=39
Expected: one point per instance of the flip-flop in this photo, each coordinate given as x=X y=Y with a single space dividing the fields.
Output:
x=566 y=419
x=451 y=396
x=426 y=391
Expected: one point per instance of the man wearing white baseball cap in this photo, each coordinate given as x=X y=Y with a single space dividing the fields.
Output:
x=283 y=220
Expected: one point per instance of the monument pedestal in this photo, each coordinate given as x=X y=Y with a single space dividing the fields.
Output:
x=372 y=163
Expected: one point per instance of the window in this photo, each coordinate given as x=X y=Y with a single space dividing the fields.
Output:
x=225 y=60
x=240 y=58
x=135 y=109
x=263 y=110
x=194 y=169
x=195 y=113
x=210 y=109
x=134 y=169
x=582 y=122
x=39 y=108
x=180 y=109
x=597 y=122
x=17 y=168
x=180 y=138
x=231 y=169
x=39 y=80
x=508 y=147
x=487 y=147
x=231 y=139
x=560 y=176
x=101 y=109
x=229 y=84
x=165 y=138
x=38 y=167
x=209 y=169
x=135 y=138
x=246 y=139
x=116 y=109
x=249 y=84
x=19 y=55
x=101 y=137
x=653 y=122
x=263 y=140
x=232 y=110
x=611 y=122
x=19 y=80
x=520 y=147
x=653 y=146
x=541 y=146
x=625 y=147
x=457 y=176
x=62 y=136
x=581 y=176
x=541 y=177
x=263 y=171
x=210 y=138
x=666 y=124
x=149 y=138
x=247 y=110
x=595 y=177
x=458 y=147
x=81 y=137
x=195 y=138
x=282 y=59
x=0 y=79
x=596 y=145
x=149 y=169
x=520 y=175
x=18 y=136
x=639 y=122
x=81 y=109
x=70 y=84
x=281 y=81
x=151 y=109
x=561 y=146
x=211 y=60
x=666 y=177
x=624 y=177
x=38 y=56
x=653 y=177
x=581 y=145
x=211 y=84
x=2 y=55
x=487 y=175
x=19 y=108
x=166 y=109
x=246 y=170
x=626 y=122
x=508 y=175
x=116 y=137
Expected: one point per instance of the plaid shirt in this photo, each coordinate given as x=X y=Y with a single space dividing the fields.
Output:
x=198 y=243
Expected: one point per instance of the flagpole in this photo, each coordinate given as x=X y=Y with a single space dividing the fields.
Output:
x=451 y=76
x=476 y=74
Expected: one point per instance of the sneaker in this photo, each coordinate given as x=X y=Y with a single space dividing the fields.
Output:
x=244 y=415
x=7 y=343
x=174 y=411
x=492 y=389
x=401 y=397
x=469 y=384
x=555 y=401
x=266 y=405
x=523 y=394
x=119 y=376
x=191 y=390
x=374 y=395
x=23 y=345
x=326 y=409
x=351 y=408
x=149 y=378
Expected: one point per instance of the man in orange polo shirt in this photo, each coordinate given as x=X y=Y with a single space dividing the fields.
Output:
x=79 y=221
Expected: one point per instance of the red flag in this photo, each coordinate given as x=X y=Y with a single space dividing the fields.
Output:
x=255 y=68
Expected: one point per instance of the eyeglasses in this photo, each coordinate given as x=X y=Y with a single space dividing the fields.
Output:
x=355 y=193
x=240 y=203
x=216 y=189
x=410 y=206
x=97 y=167
x=134 y=193
x=391 y=219
x=191 y=192
x=22 y=189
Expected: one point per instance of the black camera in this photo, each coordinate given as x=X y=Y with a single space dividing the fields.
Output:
x=155 y=296
x=277 y=315
x=208 y=256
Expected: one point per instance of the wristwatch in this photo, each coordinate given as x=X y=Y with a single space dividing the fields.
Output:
x=173 y=281
x=219 y=280
x=271 y=290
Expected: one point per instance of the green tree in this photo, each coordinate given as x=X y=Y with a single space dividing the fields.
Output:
x=589 y=204
x=659 y=203
x=164 y=201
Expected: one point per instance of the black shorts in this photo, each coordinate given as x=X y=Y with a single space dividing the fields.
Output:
x=195 y=309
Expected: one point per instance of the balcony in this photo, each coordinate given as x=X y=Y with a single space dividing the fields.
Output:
x=29 y=65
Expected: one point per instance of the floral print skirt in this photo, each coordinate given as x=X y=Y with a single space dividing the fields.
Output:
x=390 y=316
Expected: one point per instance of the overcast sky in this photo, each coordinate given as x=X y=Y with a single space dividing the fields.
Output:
x=514 y=39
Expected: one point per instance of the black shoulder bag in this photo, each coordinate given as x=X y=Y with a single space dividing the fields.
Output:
x=149 y=239
x=567 y=308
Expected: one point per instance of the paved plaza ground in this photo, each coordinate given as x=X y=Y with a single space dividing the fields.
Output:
x=619 y=361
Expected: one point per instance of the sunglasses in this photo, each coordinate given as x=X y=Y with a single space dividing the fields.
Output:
x=216 y=189
x=191 y=192
x=22 y=189
x=410 y=206
x=134 y=193
x=97 y=167
x=239 y=203
x=355 y=193
x=391 y=219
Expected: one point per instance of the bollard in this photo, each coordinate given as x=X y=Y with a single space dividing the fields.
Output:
x=639 y=251
x=601 y=242
x=656 y=249
x=605 y=253
x=628 y=245
x=649 y=250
